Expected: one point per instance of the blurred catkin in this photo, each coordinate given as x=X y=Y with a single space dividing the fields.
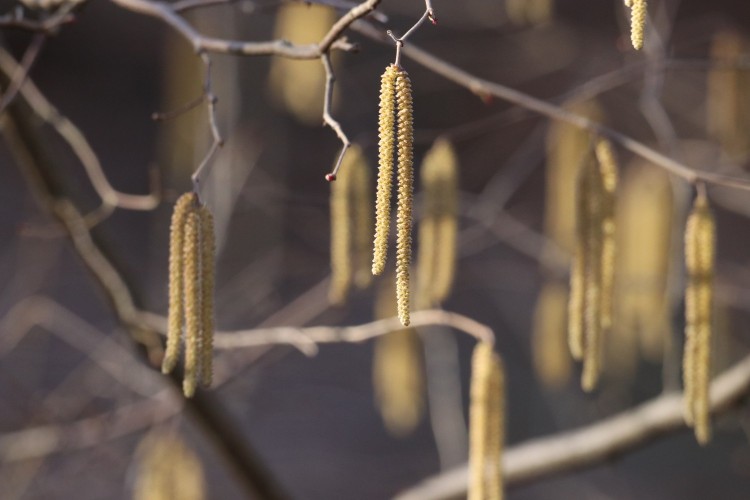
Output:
x=549 y=353
x=592 y=272
x=398 y=370
x=405 y=193
x=351 y=227
x=387 y=146
x=436 y=257
x=486 y=425
x=167 y=470
x=298 y=85
x=644 y=240
x=700 y=235
x=728 y=95
x=528 y=12
x=191 y=288
x=638 y=14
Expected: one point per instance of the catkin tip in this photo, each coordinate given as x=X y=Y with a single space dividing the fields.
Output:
x=638 y=13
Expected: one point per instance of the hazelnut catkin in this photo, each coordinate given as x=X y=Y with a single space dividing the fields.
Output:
x=638 y=13
x=193 y=307
x=208 y=272
x=405 y=193
x=700 y=235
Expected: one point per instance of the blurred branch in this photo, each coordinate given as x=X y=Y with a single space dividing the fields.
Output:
x=202 y=43
x=49 y=25
x=594 y=444
x=483 y=87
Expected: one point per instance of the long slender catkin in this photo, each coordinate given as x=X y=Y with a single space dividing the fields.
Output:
x=436 y=258
x=486 y=425
x=192 y=297
x=608 y=171
x=182 y=208
x=405 y=193
x=207 y=273
x=700 y=235
x=638 y=13
x=387 y=146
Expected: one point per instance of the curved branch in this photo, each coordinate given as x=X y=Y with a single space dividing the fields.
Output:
x=591 y=445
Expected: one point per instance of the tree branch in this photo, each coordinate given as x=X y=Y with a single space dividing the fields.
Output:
x=594 y=444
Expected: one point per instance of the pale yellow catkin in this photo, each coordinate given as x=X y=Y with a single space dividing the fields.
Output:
x=436 y=255
x=405 y=193
x=362 y=218
x=608 y=170
x=549 y=354
x=193 y=307
x=341 y=236
x=486 y=425
x=638 y=14
x=700 y=235
x=528 y=11
x=398 y=370
x=167 y=469
x=208 y=273
x=387 y=148
x=184 y=205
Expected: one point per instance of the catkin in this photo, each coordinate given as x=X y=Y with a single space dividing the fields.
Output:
x=362 y=218
x=405 y=193
x=182 y=208
x=436 y=257
x=387 y=147
x=551 y=362
x=528 y=11
x=638 y=13
x=486 y=425
x=699 y=262
x=191 y=288
x=592 y=272
x=167 y=469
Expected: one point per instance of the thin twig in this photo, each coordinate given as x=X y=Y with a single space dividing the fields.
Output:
x=217 y=140
x=328 y=118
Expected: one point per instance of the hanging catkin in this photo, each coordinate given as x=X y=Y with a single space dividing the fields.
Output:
x=638 y=13
x=191 y=287
x=167 y=469
x=436 y=256
x=591 y=281
x=396 y=136
x=551 y=361
x=699 y=262
x=486 y=425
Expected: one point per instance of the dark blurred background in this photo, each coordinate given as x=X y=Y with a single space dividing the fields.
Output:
x=314 y=421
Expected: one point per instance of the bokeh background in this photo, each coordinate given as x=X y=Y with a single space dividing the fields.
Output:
x=77 y=404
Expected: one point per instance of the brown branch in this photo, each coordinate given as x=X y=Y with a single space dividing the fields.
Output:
x=594 y=444
x=202 y=43
x=483 y=87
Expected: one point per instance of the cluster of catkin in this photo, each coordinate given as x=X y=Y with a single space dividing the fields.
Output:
x=592 y=270
x=700 y=235
x=438 y=226
x=351 y=227
x=638 y=13
x=486 y=425
x=396 y=144
x=191 y=288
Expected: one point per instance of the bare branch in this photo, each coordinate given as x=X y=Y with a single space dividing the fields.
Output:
x=328 y=118
x=593 y=444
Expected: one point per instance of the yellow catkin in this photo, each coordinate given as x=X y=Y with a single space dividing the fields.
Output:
x=387 y=148
x=551 y=361
x=405 y=193
x=608 y=170
x=207 y=272
x=728 y=95
x=398 y=370
x=644 y=240
x=182 y=207
x=528 y=11
x=341 y=236
x=638 y=13
x=193 y=308
x=167 y=469
x=700 y=234
x=576 y=303
x=436 y=257
x=486 y=425
x=362 y=216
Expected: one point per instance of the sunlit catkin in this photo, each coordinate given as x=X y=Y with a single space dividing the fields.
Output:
x=608 y=169
x=387 y=149
x=486 y=425
x=549 y=354
x=398 y=371
x=699 y=262
x=728 y=95
x=528 y=11
x=436 y=257
x=167 y=469
x=405 y=193
x=176 y=315
x=644 y=241
x=191 y=288
x=351 y=227
x=638 y=13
